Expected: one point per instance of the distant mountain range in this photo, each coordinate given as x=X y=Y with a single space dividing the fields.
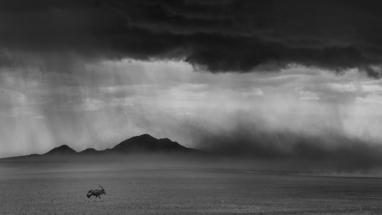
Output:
x=139 y=144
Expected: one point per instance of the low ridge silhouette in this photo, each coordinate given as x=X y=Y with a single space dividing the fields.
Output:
x=139 y=144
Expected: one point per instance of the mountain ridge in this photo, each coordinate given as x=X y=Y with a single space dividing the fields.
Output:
x=142 y=144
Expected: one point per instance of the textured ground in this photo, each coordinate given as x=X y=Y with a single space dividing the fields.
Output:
x=61 y=189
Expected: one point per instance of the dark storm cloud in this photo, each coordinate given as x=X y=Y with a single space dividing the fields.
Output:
x=218 y=36
x=6 y=60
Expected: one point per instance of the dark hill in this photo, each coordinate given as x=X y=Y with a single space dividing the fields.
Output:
x=62 y=150
x=147 y=143
x=90 y=151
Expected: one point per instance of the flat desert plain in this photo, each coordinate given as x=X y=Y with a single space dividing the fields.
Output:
x=40 y=188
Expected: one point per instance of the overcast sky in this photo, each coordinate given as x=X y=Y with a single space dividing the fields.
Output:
x=273 y=79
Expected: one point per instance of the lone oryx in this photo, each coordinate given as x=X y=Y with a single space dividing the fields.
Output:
x=96 y=193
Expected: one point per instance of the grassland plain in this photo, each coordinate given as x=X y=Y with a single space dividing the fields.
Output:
x=135 y=189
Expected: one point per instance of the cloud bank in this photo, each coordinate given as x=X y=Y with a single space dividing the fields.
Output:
x=216 y=36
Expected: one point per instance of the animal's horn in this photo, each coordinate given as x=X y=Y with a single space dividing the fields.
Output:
x=101 y=187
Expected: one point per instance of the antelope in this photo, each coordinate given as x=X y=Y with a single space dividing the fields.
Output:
x=96 y=193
